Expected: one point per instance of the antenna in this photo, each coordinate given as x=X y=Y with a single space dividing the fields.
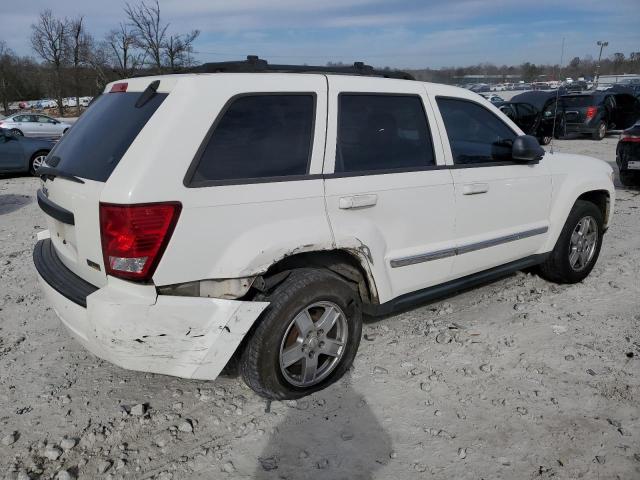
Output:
x=555 y=113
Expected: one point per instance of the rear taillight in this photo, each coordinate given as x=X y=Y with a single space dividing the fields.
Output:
x=627 y=137
x=591 y=112
x=134 y=237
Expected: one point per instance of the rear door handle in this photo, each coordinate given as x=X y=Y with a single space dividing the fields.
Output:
x=475 y=188
x=357 y=201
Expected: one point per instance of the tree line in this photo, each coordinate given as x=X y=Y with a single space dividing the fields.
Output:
x=617 y=63
x=70 y=62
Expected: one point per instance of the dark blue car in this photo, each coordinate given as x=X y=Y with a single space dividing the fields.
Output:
x=22 y=154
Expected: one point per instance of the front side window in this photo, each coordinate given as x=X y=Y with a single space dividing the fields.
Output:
x=259 y=136
x=475 y=134
x=382 y=132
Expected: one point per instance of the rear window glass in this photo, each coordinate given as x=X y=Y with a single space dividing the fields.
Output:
x=380 y=132
x=258 y=137
x=93 y=147
x=579 y=101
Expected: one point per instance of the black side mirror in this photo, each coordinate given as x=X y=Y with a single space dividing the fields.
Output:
x=526 y=149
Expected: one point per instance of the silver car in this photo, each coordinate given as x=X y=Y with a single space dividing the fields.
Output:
x=34 y=125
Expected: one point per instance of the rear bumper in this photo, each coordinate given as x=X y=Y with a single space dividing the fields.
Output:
x=581 y=128
x=133 y=327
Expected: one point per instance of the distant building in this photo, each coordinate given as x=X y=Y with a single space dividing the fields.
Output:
x=606 y=80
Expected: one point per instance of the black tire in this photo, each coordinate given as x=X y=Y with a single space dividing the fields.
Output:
x=65 y=131
x=16 y=133
x=260 y=359
x=32 y=168
x=544 y=140
x=557 y=268
x=600 y=132
x=629 y=179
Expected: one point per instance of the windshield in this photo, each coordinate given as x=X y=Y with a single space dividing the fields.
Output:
x=95 y=144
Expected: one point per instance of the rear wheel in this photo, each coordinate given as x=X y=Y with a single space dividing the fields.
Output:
x=600 y=132
x=578 y=246
x=307 y=337
x=544 y=140
x=16 y=133
x=37 y=160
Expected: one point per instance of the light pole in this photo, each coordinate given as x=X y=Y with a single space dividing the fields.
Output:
x=601 y=44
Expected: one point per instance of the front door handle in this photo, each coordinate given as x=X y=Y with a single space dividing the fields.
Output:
x=475 y=188
x=357 y=201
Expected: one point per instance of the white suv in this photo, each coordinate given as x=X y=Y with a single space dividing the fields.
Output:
x=197 y=218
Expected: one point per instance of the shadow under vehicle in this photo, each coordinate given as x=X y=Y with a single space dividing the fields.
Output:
x=22 y=154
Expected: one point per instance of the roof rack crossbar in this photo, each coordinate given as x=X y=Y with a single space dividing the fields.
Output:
x=253 y=64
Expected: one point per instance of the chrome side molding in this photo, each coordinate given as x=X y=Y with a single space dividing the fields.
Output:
x=472 y=247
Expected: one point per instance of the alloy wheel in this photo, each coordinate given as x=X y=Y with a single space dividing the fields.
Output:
x=313 y=344
x=38 y=162
x=582 y=246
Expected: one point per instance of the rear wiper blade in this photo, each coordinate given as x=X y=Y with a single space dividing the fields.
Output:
x=51 y=172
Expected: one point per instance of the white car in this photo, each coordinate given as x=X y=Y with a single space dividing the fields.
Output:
x=259 y=215
x=34 y=125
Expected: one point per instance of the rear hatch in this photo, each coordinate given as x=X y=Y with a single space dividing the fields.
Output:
x=576 y=107
x=85 y=158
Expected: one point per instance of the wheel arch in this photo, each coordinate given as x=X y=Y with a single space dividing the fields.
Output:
x=351 y=265
x=602 y=197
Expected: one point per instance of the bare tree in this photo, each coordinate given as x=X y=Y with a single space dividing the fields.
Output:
x=48 y=41
x=122 y=50
x=6 y=56
x=150 y=31
x=178 y=49
x=79 y=45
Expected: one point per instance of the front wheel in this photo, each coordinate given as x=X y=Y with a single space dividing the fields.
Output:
x=578 y=245
x=545 y=140
x=307 y=337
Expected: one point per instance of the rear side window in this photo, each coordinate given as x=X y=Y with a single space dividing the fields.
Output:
x=93 y=147
x=476 y=135
x=382 y=132
x=258 y=137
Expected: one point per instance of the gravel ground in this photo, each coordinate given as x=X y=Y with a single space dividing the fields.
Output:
x=519 y=379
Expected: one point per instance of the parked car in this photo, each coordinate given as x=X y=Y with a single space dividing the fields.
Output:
x=20 y=154
x=259 y=215
x=595 y=113
x=534 y=112
x=576 y=86
x=628 y=156
x=492 y=97
x=34 y=125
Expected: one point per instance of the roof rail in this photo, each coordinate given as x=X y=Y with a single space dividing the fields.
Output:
x=253 y=64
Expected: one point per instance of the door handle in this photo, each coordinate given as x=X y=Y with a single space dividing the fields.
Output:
x=475 y=188
x=357 y=201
